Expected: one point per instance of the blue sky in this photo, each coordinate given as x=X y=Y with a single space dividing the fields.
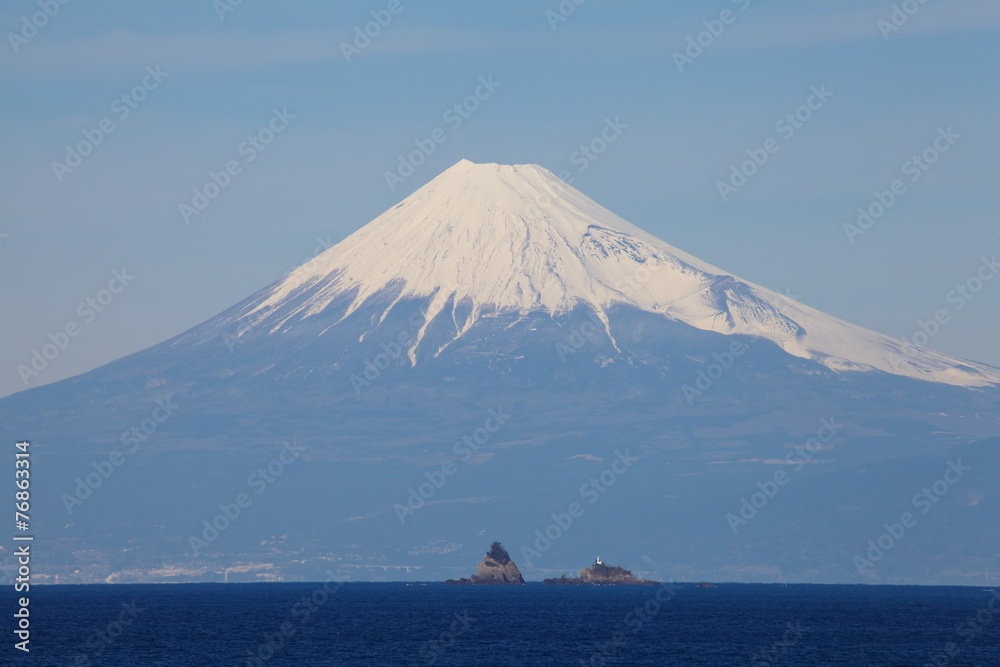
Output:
x=323 y=175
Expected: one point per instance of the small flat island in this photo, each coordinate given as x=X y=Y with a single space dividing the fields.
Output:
x=496 y=568
x=601 y=574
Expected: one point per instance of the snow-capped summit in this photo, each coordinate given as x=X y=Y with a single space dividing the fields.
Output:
x=490 y=238
x=500 y=325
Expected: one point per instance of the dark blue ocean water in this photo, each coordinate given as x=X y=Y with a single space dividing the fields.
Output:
x=399 y=624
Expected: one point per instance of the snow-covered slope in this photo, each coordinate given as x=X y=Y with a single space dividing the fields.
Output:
x=507 y=264
x=489 y=238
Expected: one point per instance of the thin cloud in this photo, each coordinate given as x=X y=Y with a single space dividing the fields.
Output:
x=770 y=32
x=778 y=462
x=113 y=52
x=768 y=28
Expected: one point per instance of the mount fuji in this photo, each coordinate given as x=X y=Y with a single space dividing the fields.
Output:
x=483 y=241
x=498 y=357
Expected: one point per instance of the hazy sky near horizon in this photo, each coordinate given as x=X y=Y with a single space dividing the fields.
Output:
x=159 y=94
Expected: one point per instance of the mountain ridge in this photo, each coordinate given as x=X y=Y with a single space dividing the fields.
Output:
x=483 y=239
x=577 y=388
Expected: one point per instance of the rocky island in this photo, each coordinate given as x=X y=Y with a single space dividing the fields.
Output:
x=495 y=568
x=602 y=574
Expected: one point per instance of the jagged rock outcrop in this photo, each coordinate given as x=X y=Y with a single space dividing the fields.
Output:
x=495 y=568
x=602 y=574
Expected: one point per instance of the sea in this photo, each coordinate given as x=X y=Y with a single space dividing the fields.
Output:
x=433 y=624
